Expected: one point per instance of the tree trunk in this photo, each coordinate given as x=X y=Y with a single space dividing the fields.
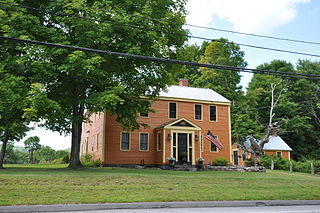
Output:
x=78 y=111
x=4 y=146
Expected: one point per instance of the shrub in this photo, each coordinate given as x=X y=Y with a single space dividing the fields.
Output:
x=87 y=161
x=283 y=164
x=249 y=162
x=93 y=163
x=86 y=157
x=219 y=162
x=58 y=161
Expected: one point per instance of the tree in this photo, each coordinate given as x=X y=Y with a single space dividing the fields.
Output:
x=303 y=127
x=191 y=53
x=269 y=102
x=77 y=80
x=45 y=153
x=222 y=52
x=32 y=144
x=12 y=124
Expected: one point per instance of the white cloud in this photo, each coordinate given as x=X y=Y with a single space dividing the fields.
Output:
x=252 y=16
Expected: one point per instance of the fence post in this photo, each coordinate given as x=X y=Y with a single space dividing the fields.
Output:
x=312 y=168
x=272 y=165
x=291 y=166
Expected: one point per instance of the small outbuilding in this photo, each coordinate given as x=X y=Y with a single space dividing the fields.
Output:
x=276 y=147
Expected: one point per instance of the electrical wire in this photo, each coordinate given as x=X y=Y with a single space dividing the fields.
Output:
x=175 y=34
x=164 y=60
x=204 y=27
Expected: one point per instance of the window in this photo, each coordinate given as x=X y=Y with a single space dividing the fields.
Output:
x=213 y=147
x=144 y=142
x=144 y=114
x=159 y=141
x=198 y=112
x=125 y=141
x=87 y=141
x=98 y=141
x=244 y=156
x=213 y=113
x=172 y=110
x=279 y=154
x=92 y=143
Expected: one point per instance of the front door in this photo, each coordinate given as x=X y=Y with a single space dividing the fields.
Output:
x=182 y=148
x=235 y=157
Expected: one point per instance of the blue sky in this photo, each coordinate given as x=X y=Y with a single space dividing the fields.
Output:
x=295 y=19
x=300 y=21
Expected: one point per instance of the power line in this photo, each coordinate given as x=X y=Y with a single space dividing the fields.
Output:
x=175 y=34
x=204 y=27
x=171 y=61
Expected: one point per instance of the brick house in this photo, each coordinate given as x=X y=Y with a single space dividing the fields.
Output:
x=179 y=128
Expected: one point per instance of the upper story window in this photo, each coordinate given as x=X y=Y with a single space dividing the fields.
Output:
x=213 y=113
x=198 y=112
x=125 y=141
x=144 y=114
x=172 y=110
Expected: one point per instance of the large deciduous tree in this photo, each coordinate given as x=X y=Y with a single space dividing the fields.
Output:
x=225 y=82
x=78 y=80
x=32 y=144
x=12 y=124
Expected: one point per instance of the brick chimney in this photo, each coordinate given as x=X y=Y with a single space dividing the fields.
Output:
x=183 y=82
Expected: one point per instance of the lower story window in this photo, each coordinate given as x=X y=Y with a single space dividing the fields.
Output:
x=159 y=142
x=125 y=141
x=279 y=154
x=144 y=142
x=213 y=148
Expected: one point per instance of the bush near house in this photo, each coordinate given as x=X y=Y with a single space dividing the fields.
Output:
x=87 y=161
x=283 y=164
x=219 y=162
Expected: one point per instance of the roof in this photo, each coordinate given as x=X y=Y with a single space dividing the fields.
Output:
x=275 y=143
x=192 y=93
x=181 y=122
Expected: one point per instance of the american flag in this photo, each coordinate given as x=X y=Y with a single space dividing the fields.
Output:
x=213 y=139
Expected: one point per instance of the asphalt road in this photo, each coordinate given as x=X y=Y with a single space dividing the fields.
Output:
x=270 y=206
x=261 y=209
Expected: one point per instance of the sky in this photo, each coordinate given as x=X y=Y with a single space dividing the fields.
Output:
x=294 y=19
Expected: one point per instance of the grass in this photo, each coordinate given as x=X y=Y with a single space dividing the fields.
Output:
x=53 y=184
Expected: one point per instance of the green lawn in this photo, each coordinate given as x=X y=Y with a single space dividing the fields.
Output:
x=53 y=184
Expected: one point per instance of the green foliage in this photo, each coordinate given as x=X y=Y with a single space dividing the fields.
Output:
x=87 y=161
x=219 y=162
x=224 y=82
x=45 y=154
x=249 y=162
x=13 y=156
x=74 y=80
x=283 y=164
x=32 y=144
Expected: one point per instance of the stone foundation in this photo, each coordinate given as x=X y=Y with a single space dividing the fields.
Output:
x=234 y=168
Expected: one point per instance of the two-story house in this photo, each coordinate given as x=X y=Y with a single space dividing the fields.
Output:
x=188 y=123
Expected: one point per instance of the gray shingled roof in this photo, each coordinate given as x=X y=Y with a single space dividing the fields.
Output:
x=192 y=93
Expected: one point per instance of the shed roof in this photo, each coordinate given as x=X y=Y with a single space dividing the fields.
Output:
x=201 y=94
x=275 y=143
